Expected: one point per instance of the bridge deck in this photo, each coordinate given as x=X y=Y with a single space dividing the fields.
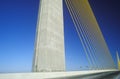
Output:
x=42 y=75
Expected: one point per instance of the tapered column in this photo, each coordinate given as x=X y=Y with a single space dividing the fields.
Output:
x=49 y=47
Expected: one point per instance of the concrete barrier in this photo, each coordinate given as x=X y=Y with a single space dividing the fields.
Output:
x=42 y=75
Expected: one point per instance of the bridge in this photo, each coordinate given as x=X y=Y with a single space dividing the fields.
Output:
x=49 y=56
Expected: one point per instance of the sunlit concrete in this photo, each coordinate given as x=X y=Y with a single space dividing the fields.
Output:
x=49 y=49
x=42 y=75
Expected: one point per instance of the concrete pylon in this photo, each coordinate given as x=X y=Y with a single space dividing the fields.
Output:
x=118 y=60
x=49 y=48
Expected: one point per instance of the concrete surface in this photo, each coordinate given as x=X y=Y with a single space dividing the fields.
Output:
x=43 y=75
x=49 y=48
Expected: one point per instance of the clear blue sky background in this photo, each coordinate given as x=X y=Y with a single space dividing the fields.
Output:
x=18 y=20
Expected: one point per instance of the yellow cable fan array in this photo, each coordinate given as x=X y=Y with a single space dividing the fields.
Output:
x=95 y=48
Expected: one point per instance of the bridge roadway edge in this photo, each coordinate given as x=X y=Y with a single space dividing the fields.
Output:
x=42 y=75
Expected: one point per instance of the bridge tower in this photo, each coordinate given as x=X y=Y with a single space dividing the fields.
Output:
x=118 y=60
x=49 y=47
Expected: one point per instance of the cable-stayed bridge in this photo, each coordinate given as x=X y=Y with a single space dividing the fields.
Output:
x=49 y=57
x=49 y=47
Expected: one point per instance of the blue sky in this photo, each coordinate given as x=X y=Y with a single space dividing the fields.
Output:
x=18 y=20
